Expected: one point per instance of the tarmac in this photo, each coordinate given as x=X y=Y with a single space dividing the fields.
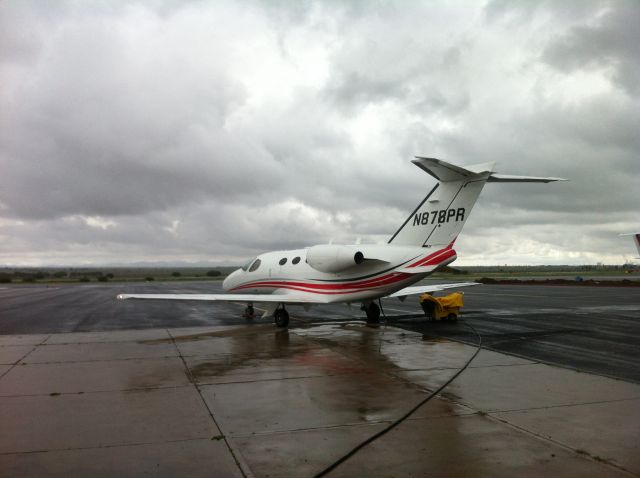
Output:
x=226 y=397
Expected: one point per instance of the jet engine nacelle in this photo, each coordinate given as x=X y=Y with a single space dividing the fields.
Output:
x=330 y=258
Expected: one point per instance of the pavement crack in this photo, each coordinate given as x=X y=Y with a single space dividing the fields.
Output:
x=564 y=405
x=19 y=362
x=107 y=446
x=233 y=449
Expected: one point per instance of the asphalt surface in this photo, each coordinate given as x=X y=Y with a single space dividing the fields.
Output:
x=595 y=330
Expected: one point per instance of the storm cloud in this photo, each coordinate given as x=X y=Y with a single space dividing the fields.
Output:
x=196 y=131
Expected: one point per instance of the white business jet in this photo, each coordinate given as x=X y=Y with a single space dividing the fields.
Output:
x=329 y=273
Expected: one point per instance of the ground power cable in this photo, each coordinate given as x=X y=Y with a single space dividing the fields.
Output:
x=394 y=424
x=386 y=321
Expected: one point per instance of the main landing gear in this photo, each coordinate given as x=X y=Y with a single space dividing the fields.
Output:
x=281 y=317
x=373 y=314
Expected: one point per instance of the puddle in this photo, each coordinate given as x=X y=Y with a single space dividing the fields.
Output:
x=235 y=332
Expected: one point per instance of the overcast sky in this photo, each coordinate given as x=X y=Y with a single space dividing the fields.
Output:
x=212 y=131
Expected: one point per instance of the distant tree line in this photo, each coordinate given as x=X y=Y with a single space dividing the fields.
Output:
x=8 y=275
x=32 y=276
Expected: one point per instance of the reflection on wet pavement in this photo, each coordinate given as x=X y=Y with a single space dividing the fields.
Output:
x=254 y=399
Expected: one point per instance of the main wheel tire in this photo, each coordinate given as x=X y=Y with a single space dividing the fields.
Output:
x=429 y=311
x=452 y=317
x=281 y=317
x=373 y=314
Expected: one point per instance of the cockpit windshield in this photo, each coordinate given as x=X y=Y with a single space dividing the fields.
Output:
x=246 y=266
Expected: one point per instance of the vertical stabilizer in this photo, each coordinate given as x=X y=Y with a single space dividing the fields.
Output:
x=439 y=218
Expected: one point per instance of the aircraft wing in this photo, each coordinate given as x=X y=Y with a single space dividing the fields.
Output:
x=422 y=289
x=279 y=298
x=290 y=298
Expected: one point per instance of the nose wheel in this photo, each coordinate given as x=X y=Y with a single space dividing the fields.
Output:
x=281 y=317
x=249 y=313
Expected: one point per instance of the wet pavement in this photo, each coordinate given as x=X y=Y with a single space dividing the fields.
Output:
x=94 y=386
x=253 y=400
x=592 y=329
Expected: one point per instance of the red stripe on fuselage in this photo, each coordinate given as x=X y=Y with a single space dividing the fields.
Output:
x=428 y=260
x=441 y=258
x=287 y=285
x=320 y=288
x=346 y=287
x=301 y=289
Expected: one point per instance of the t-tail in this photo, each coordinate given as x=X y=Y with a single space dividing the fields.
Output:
x=439 y=218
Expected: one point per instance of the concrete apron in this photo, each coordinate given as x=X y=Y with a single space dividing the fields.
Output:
x=257 y=401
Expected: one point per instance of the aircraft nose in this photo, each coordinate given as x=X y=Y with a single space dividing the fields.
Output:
x=227 y=283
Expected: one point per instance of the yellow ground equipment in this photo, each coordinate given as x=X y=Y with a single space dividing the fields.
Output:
x=444 y=308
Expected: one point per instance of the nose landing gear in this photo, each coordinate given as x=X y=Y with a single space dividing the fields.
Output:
x=249 y=313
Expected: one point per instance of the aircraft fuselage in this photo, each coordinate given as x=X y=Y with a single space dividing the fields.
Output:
x=282 y=272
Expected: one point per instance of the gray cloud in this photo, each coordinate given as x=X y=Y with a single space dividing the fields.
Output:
x=525 y=11
x=611 y=43
x=192 y=131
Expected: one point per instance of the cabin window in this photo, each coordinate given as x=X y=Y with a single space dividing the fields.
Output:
x=255 y=265
x=283 y=261
x=295 y=260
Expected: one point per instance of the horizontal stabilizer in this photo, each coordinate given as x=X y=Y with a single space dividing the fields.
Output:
x=447 y=172
x=506 y=178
